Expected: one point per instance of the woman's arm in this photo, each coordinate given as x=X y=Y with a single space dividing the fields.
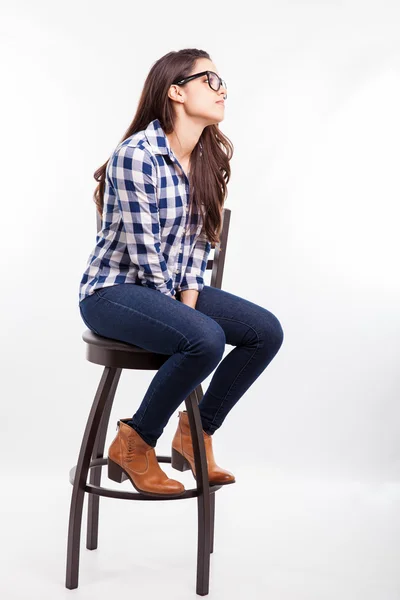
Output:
x=134 y=180
x=193 y=278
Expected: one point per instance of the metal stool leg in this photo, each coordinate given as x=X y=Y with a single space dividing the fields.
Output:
x=200 y=394
x=212 y=519
x=92 y=531
x=106 y=386
x=203 y=499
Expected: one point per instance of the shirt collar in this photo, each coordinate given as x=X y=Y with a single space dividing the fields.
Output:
x=157 y=139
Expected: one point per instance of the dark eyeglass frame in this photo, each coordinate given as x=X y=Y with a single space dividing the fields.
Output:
x=186 y=79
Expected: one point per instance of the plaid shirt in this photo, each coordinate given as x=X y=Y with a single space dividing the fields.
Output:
x=144 y=237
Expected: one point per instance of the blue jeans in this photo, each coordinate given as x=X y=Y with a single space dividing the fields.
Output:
x=195 y=340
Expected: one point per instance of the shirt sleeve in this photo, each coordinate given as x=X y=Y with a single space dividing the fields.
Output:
x=193 y=278
x=134 y=179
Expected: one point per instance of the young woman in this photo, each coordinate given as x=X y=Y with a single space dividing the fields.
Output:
x=161 y=195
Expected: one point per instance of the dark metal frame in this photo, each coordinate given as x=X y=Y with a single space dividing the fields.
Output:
x=115 y=356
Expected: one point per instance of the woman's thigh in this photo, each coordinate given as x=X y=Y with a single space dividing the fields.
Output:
x=146 y=318
x=243 y=321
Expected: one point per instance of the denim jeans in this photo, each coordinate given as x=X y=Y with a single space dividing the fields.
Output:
x=195 y=341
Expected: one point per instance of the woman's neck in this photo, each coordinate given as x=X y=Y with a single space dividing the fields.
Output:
x=184 y=138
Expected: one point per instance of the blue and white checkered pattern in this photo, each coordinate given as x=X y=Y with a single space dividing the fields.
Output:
x=144 y=237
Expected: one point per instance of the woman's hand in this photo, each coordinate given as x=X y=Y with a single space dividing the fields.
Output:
x=189 y=297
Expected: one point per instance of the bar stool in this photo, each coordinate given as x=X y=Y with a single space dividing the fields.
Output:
x=115 y=356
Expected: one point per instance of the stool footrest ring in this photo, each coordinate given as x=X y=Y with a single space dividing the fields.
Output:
x=124 y=494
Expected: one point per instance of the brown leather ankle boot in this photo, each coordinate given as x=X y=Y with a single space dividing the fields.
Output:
x=130 y=457
x=182 y=457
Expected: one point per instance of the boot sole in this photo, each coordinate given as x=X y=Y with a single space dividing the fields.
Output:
x=180 y=463
x=118 y=474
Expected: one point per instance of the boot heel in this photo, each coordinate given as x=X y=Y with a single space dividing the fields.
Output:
x=178 y=461
x=115 y=472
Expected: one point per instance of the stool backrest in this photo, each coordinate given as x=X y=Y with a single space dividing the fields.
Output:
x=218 y=261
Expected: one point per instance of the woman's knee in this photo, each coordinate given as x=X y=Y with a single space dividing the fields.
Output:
x=210 y=343
x=270 y=330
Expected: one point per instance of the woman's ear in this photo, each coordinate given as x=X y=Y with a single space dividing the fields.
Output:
x=175 y=93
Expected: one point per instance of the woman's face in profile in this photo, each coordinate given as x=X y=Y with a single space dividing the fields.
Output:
x=200 y=101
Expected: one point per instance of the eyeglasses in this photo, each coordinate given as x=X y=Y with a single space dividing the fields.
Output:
x=214 y=80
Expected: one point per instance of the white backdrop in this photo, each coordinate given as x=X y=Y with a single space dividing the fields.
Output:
x=313 y=113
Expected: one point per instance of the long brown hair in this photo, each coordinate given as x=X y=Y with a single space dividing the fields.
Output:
x=210 y=169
